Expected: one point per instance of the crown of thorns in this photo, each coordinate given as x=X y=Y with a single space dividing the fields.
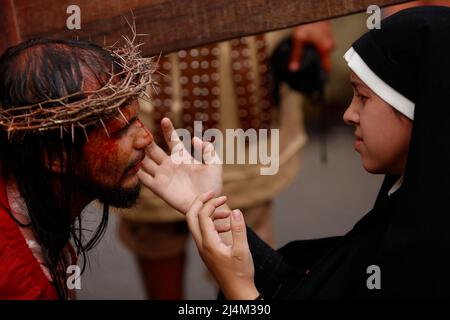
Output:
x=135 y=77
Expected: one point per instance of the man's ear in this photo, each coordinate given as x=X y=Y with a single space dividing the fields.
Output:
x=55 y=161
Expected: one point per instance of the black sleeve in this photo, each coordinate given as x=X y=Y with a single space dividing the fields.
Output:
x=271 y=267
x=278 y=272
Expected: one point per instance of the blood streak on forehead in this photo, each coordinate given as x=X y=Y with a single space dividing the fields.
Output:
x=126 y=114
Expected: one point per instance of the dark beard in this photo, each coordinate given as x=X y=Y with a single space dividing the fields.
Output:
x=120 y=197
x=116 y=197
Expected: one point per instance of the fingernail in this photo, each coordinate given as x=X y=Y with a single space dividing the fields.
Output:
x=237 y=215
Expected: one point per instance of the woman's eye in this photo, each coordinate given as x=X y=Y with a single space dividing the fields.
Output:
x=361 y=97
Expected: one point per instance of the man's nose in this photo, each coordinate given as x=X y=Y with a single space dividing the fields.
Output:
x=143 y=137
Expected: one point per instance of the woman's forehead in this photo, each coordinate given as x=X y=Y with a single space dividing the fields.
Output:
x=357 y=83
x=355 y=80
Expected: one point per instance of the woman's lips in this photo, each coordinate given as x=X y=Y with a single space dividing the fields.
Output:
x=358 y=142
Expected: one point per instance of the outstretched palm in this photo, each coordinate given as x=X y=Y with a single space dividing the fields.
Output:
x=178 y=179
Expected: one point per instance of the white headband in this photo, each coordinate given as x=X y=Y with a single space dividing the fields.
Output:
x=381 y=88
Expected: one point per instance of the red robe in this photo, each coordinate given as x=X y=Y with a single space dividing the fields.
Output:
x=21 y=276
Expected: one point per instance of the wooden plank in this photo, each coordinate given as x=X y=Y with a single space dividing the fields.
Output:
x=8 y=25
x=176 y=24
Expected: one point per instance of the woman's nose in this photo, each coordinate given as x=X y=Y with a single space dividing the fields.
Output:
x=351 y=115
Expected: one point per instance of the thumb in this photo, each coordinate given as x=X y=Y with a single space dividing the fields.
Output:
x=238 y=232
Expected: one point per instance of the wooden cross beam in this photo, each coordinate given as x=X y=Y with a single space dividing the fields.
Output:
x=170 y=24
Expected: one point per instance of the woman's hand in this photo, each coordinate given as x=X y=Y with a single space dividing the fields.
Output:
x=178 y=179
x=230 y=264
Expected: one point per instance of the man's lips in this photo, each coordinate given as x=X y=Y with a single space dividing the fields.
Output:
x=135 y=166
x=135 y=169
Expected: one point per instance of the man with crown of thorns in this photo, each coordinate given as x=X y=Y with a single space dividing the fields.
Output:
x=69 y=135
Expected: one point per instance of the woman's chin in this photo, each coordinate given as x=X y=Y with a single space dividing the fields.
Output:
x=373 y=170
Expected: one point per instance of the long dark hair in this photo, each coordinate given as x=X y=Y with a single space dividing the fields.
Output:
x=31 y=72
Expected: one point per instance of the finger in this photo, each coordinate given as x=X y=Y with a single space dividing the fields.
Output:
x=296 y=54
x=149 y=166
x=239 y=232
x=207 y=228
x=154 y=152
x=207 y=150
x=222 y=226
x=146 y=179
x=170 y=135
x=222 y=220
x=329 y=43
x=192 y=216
x=210 y=155
x=221 y=214
x=198 y=150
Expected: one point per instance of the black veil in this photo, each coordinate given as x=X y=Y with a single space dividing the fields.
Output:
x=407 y=234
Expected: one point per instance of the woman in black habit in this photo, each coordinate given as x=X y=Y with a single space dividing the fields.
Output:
x=401 y=248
